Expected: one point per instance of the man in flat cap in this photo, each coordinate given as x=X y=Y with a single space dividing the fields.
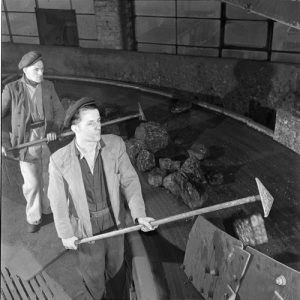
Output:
x=85 y=180
x=35 y=112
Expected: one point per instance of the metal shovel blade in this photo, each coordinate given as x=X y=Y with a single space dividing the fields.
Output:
x=265 y=197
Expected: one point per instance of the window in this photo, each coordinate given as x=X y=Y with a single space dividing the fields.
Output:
x=211 y=28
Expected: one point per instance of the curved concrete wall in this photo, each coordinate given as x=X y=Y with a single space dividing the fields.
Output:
x=239 y=85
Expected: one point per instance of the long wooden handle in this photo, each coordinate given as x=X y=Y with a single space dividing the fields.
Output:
x=65 y=134
x=172 y=218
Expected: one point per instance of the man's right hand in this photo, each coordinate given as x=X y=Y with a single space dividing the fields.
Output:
x=3 y=151
x=70 y=243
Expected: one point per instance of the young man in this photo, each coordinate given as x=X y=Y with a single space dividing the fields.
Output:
x=36 y=112
x=86 y=177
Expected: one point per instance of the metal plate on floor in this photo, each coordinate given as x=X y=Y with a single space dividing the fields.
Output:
x=214 y=260
x=267 y=278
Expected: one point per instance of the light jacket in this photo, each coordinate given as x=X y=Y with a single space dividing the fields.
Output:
x=66 y=188
x=14 y=99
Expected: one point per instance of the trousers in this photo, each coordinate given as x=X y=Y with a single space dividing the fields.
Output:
x=36 y=179
x=101 y=265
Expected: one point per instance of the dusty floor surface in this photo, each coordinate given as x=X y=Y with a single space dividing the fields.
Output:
x=239 y=152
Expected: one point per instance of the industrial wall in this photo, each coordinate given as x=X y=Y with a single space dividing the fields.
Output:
x=260 y=90
x=198 y=28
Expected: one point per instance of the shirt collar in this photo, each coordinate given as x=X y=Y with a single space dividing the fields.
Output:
x=80 y=154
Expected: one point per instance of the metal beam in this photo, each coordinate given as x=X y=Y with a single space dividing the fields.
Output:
x=284 y=11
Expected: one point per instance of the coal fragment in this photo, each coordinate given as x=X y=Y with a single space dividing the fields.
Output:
x=156 y=176
x=192 y=196
x=145 y=161
x=179 y=106
x=251 y=231
x=153 y=134
x=192 y=169
x=169 y=165
x=133 y=147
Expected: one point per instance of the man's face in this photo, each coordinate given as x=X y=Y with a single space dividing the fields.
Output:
x=89 y=126
x=35 y=72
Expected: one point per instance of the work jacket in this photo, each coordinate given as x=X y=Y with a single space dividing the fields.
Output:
x=14 y=99
x=66 y=190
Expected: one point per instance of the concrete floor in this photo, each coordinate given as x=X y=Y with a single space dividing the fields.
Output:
x=238 y=151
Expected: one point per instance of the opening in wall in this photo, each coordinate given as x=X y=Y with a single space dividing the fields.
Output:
x=57 y=27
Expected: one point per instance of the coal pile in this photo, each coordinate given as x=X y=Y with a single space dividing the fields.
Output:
x=184 y=177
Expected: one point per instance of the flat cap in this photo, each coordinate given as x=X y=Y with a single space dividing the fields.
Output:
x=29 y=59
x=73 y=108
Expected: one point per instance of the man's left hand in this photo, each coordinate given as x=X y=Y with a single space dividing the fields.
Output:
x=51 y=136
x=145 y=222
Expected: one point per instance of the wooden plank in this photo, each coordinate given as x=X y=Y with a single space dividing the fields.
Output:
x=4 y=289
x=43 y=284
x=259 y=281
x=9 y=283
x=213 y=260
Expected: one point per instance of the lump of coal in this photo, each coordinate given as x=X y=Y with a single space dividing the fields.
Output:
x=153 y=134
x=192 y=169
x=200 y=153
x=155 y=177
x=179 y=106
x=192 y=196
x=133 y=147
x=145 y=161
x=180 y=186
x=169 y=165
x=251 y=231
x=215 y=178
x=171 y=183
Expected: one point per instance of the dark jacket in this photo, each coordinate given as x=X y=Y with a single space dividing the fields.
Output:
x=14 y=100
